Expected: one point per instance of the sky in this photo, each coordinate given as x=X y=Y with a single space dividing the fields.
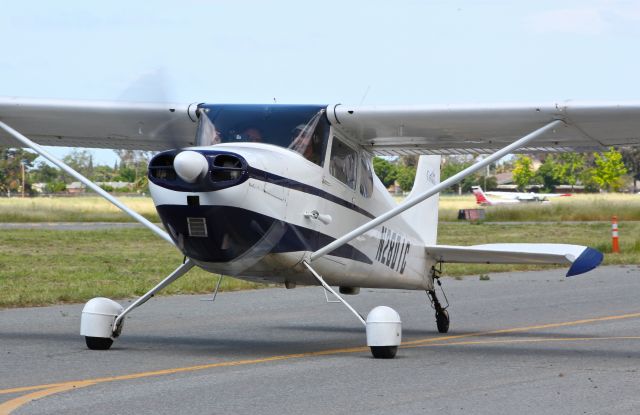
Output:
x=352 y=52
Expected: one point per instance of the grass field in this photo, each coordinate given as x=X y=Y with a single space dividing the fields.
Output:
x=41 y=267
x=44 y=267
x=592 y=207
x=72 y=209
x=579 y=207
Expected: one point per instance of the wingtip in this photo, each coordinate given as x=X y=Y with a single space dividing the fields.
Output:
x=589 y=259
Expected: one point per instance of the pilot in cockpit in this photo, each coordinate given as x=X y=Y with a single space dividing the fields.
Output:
x=252 y=134
x=248 y=134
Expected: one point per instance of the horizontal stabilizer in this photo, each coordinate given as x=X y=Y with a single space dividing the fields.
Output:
x=581 y=258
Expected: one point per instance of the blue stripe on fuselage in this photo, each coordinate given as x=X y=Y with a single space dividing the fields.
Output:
x=234 y=232
x=305 y=188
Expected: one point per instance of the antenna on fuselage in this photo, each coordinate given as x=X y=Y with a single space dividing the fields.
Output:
x=364 y=96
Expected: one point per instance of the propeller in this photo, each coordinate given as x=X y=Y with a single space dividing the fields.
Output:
x=154 y=86
x=189 y=165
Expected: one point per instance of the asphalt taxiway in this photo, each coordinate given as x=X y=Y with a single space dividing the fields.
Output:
x=532 y=342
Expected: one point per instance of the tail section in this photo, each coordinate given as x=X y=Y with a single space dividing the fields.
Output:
x=481 y=199
x=424 y=216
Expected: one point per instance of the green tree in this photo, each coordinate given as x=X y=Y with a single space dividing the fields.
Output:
x=523 y=172
x=11 y=167
x=56 y=186
x=385 y=170
x=490 y=183
x=569 y=168
x=631 y=159
x=80 y=161
x=126 y=174
x=102 y=173
x=564 y=168
x=45 y=173
x=546 y=174
x=453 y=166
x=609 y=169
x=133 y=165
x=406 y=176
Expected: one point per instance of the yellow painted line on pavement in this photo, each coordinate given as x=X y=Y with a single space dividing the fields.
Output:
x=9 y=406
x=522 y=329
x=44 y=390
x=535 y=340
x=53 y=388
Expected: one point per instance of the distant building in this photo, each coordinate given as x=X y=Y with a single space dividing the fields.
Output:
x=567 y=188
x=115 y=185
x=504 y=178
x=74 y=188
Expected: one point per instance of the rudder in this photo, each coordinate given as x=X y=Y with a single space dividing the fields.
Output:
x=481 y=198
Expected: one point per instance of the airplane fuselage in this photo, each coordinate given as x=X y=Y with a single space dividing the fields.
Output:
x=257 y=222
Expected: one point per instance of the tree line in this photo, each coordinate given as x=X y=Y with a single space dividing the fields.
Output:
x=606 y=171
x=611 y=170
x=17 y=164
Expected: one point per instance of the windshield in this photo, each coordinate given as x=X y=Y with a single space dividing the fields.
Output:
x=300 y=128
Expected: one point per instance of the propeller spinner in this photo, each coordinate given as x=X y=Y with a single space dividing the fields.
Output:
x=190 y=165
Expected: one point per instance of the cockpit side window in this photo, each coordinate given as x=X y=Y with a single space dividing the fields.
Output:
x=366 y=177
x=342 y=164
x=206 y=134
x=311 y=139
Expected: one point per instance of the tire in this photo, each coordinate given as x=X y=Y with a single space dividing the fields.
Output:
x=98 y=343
x=442 y=321
x=384 y=352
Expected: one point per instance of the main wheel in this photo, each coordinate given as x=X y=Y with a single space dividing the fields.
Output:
x=384 y=352
x=98 y=343
x=442 y=321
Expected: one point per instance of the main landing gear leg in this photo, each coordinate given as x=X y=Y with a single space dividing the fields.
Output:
x=102 y=318
x=442 y=315
x=383 y=325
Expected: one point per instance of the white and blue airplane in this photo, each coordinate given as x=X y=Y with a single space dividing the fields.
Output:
x=287 y=194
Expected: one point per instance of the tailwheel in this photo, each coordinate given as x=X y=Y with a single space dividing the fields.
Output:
x=442 y=321
x=98 y=343
x=384 y=352
x=442 y=315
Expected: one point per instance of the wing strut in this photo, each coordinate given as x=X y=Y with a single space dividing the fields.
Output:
x=332 y=291
x=180 y=271
x=44 y=153
x=434 y=190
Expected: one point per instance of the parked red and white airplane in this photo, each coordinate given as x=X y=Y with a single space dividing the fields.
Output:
x=509 y=198
x=287 y=194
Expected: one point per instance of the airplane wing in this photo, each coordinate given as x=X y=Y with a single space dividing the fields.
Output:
x=99 y=124
x=506 y=195
x=581 y=258
x=525 y=196
x=555 y=194
x=444 y=129
x=484 y=128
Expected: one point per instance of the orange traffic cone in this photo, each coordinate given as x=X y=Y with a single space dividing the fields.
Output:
x=614 y=235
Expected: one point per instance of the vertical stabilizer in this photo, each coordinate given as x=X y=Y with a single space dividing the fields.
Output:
x=481 y=198
x=424 y=216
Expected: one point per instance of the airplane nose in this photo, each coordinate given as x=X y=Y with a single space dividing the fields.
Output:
x=190 y=166
x=198 y=170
